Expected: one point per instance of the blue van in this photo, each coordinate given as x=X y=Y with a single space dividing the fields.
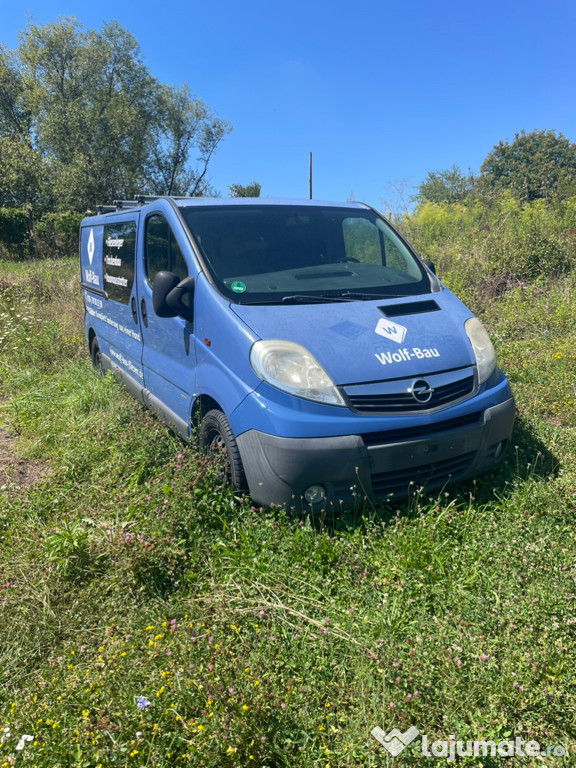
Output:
x=306 y=339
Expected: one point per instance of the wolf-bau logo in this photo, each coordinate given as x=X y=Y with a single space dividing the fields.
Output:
x=391 y=330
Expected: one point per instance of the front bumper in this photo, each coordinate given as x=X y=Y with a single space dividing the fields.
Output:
x=355 y=468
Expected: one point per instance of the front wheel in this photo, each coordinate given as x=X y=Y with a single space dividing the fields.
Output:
x=217 y=437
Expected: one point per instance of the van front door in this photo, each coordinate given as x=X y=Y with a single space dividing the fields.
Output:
x=168 y=353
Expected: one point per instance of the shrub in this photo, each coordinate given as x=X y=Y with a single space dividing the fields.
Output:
x=13 y=232
x=56 y=234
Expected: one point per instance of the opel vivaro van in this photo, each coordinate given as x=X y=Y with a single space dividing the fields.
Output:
x=306 y=339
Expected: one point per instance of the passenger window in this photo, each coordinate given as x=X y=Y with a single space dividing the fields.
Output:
x=162 y=252
x=362 y=241
x=118 y=259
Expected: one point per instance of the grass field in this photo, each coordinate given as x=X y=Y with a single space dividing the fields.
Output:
x=150 y=618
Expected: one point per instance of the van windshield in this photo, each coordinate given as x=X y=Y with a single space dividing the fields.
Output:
x=283 y=253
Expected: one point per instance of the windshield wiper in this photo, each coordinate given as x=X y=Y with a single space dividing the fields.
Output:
x=304 y=298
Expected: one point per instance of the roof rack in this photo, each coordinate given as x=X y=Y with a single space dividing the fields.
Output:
x=119 y=205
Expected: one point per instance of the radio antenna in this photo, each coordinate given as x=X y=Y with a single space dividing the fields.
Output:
x=310 y=176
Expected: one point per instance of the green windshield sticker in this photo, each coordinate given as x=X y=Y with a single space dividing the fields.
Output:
x=238 y=287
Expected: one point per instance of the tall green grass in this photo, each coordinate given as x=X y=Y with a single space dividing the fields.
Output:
x=148 y=617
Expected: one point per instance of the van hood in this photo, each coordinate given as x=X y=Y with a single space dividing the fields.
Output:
x=365 y=341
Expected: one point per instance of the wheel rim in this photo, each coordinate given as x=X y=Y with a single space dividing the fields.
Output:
x=218 y=449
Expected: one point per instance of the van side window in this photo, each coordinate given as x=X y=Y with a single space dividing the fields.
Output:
x=162 y=252
x=118 y=251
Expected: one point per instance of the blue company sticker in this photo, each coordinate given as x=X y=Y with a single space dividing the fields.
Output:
x=351 y=330
x=238 y=287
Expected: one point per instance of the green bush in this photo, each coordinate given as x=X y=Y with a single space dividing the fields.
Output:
x=13 y=231
x=56 y=234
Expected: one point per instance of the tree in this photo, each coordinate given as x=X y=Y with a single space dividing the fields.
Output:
x=247 y=190
x=103 y=125
x=535 y=165
x=181 y=123
x=23 y=181
x=450 y=186
x=89 y=96
x=15 y=119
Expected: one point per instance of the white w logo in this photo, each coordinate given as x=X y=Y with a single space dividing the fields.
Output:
x=391 y=330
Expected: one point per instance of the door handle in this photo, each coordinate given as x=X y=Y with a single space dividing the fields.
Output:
x=143 y=312
x=134 y=310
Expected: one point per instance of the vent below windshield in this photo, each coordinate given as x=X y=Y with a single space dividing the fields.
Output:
x=409 y=308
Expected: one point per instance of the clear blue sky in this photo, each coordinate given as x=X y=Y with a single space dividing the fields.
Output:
x=379 y=92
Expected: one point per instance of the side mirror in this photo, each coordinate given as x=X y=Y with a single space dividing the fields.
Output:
x=431 y=266
x=172 y=297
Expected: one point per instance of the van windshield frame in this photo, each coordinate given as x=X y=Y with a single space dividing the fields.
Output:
x=274 y=254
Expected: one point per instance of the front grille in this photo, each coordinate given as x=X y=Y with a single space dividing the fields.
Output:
x=404 y=401
x=420 y=431
x=400 y=482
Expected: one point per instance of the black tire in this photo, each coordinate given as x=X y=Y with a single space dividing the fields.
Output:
x=217 y=438
x=96 y=356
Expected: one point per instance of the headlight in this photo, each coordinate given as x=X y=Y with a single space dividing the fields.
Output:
x=291 y=368
x=482 y=346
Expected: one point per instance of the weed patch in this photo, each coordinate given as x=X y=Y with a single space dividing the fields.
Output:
x=149 y=616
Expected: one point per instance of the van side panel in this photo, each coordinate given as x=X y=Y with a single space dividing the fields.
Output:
x=107 y=258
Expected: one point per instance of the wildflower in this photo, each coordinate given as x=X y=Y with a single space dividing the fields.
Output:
x=142 y=702
x=139 y=734
x=392 y=705
x=458 y=663
x=25 y=737
x=483 y=657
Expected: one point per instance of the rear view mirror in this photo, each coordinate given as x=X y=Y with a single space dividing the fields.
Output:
x=172 y=297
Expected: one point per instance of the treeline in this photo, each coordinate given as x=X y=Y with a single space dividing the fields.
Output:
x=512 y=223
x=84 y=122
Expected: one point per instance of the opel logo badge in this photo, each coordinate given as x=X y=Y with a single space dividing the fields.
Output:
x=421 y=391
